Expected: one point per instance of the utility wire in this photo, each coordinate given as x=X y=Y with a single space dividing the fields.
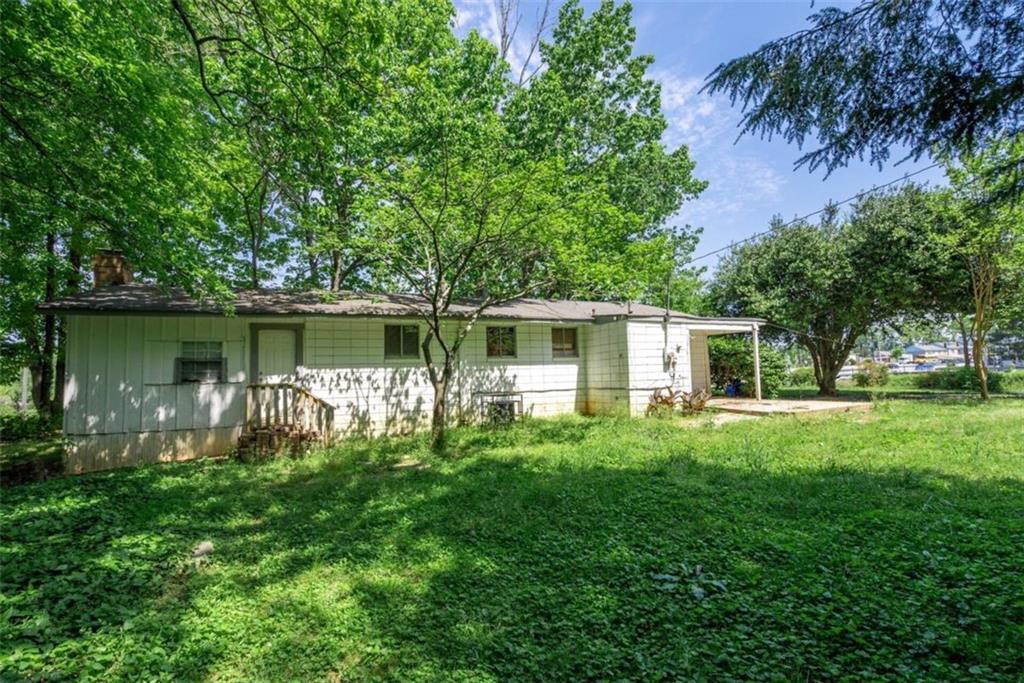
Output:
x=854 y=198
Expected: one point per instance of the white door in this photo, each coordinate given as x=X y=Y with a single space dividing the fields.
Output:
x=276 y=355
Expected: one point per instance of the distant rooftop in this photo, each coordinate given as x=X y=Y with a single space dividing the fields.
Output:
x=149 y=299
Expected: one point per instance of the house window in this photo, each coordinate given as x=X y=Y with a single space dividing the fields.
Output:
x=200 y=362
x=563 y=342
x=401 y=341
x=501 y=342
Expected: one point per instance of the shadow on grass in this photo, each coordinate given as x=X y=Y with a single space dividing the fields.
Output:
x=508 y=567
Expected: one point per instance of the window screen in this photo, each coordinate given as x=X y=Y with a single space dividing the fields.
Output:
x=401 y=341
x=501 y=342
x=200 y=362
x=563 y=342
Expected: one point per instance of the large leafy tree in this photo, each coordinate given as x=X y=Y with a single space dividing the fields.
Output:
x=163 y=129
x=886 y=75
x=982 y=233
x=825 y=285
x=592 y=106
x=101 y=144
x=462 y=216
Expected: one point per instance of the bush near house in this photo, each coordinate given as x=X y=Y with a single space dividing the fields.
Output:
x=15 y=426
x=871 y=374
x=799 y=377
x=732 y=358
x=958 y=379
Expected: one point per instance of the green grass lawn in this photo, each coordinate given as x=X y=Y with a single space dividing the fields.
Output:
x=864 y=546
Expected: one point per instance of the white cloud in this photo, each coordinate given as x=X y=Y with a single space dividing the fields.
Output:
x=695 y=119
x=736 y=184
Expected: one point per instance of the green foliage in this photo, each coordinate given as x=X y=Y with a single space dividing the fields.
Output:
x=27 y=425
x=732 y=358
x=881 y=76
x=799 y=377
x=565 y=549
x=871 y=374
x=957 y=379
x=827 y=284
x=594 y=109
x=981 y=234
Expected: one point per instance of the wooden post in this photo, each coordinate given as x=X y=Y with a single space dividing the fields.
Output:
x=757 y=365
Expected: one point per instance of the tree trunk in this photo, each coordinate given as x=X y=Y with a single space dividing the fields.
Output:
x=964 y=341
x=438 y=416
x=335 y=271
x=71 y=286
x=42 y=367
x=979 y=366
x=825 y=367
x=827 y=384
x=254 y=265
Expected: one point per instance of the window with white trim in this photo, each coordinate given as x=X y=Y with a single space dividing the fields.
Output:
x=200 y=361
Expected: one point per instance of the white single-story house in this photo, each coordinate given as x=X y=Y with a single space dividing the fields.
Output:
x=153 y=375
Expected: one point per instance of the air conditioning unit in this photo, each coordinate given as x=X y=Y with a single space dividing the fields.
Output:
x=500 y=408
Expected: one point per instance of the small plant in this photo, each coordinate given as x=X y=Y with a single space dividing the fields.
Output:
x=667 y=401
x=662 y=402
x=694 y=401
x=871 y=374
x=27 y=425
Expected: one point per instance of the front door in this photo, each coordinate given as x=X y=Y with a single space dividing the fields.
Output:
x=276 y=356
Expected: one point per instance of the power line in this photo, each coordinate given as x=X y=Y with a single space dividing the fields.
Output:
x=854 y=198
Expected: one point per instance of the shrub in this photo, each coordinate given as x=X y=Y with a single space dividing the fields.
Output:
x=29 y=425
x=1013 y=380
x=871 y=374
x=732 y=358
x=799 y=377
x=665 y=402
x=958 y=379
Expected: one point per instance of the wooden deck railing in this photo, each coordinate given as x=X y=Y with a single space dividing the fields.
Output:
x=287 y=407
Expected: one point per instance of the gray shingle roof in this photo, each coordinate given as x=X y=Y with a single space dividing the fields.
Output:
x=146 y=298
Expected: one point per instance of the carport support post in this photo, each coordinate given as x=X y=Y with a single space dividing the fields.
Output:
x=757 y=365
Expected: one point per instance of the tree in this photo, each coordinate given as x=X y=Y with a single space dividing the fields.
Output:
x=827 y=284
x=126 y=125
x=464 y=217
x=945 y=74
x=593 y=107
x=102 y=144
x=983 y=234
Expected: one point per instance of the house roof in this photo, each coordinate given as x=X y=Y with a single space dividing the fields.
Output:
x=151 y=299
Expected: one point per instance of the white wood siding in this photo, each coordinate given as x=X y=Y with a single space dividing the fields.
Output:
x=122 y=405
x=120 y=375
x=607 y=367
x=345 y=365
x=648 y=343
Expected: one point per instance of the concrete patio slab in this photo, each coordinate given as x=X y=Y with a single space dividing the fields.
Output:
x=817 y=406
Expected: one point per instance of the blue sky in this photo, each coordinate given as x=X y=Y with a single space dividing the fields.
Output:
x=750 y=180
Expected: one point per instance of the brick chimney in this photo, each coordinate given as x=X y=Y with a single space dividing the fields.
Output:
x=110 y=268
